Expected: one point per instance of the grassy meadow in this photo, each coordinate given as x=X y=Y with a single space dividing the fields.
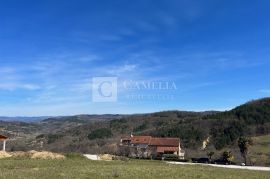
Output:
x=84 y=168
x=260 y=151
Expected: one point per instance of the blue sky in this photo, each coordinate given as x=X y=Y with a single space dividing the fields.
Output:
x=216 y=52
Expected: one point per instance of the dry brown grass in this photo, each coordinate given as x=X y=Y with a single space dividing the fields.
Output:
x=4 y=154
x=47 y=155
x=32 y=154
x=106 y=157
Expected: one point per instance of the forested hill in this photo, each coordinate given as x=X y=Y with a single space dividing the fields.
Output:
x=224 y=128
x=86 y=133
x=253 y=112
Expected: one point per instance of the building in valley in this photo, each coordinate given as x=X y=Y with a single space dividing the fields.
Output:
x=152 y=147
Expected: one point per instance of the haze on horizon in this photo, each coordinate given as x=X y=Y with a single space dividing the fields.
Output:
x=215 y=53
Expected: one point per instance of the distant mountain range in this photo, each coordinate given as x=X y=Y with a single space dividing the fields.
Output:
x=61 y=118
x=24 y=119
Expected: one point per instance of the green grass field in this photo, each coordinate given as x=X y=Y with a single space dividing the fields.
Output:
x=84 y=168
x=260 y=151
x=261 y=144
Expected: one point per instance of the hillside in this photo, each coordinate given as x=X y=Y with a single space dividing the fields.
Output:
x=101 y=133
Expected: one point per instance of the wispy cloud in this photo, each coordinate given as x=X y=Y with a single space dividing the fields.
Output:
x=118 y=70
x=265 y=91
x=18 y=86
x=11 y=79
x=219 y=60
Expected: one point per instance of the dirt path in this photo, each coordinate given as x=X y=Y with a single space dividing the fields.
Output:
x=225 y=166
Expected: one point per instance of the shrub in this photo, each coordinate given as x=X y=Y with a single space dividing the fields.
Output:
x=227 y=156
x=170 y=157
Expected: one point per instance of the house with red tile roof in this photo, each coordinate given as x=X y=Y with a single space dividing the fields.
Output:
x=3 y=139
x=148 y=146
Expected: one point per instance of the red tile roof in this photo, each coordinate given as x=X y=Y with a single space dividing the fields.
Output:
x=2 y=137
x=172 y=142
x=141 y=139
x=167 y=149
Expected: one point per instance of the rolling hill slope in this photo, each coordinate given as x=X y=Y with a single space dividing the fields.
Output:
x=101 y=133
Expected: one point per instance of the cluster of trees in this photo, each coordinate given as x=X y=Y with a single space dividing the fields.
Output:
x=191 y=135
x=226 y=132
x=100 y=134
x=227 y=156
